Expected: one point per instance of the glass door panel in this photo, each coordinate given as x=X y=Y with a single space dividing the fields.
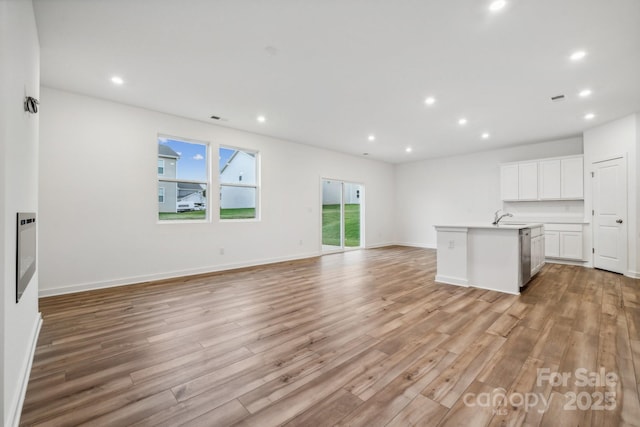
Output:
x=331 y=215
x=352 y=195
x=341 y=215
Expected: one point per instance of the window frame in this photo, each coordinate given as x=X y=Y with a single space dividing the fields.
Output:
x=255 y=186
x=161 y=178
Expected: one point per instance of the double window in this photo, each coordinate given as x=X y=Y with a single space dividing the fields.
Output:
x=183 y=181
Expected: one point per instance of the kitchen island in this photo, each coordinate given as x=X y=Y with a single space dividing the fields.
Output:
x=496 y=257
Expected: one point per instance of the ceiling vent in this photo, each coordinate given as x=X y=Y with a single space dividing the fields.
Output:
x=557 y=98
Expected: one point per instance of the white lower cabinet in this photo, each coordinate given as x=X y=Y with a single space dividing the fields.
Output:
x=537 y=249
x=551 y=244
x=571 y=244
x=563 y=241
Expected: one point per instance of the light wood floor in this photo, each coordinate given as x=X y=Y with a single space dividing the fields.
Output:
x=362 y=338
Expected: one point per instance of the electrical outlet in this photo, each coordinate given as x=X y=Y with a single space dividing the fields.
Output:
x=221 y=251
x=301 y=243
x=452 y=244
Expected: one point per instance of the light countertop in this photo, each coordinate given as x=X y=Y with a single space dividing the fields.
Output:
x=488 y=225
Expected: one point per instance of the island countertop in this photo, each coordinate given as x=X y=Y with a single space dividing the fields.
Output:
x=488 y=225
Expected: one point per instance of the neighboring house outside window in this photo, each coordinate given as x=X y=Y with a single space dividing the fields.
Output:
x=169 y=159
x=238 y=184
x=161 y=195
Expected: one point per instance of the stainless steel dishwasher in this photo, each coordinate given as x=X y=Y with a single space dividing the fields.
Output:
x=525 y=256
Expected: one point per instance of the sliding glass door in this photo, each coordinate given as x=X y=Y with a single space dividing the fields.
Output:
x=342 y=213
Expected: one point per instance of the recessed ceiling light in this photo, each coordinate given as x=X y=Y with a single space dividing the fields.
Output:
x=408 y=149
x=371 y=138
x=430 y=100
x=462 y=121
x=117 y=80
x=589 y=116
x=262 y=119
x=485 y=135
x=585 y=93
x=497 y=5
x=578 y=55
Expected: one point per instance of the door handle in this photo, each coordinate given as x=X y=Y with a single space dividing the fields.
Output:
x=619 y=221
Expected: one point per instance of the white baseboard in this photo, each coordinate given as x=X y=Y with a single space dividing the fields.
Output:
x=82 y=287
x=633 y=274
x=417 y=245
x=565 y=262
x=14 y=416
x=458 y=281
x=379 y=245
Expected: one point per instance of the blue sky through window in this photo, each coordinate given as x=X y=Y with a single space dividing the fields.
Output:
x=192 y=164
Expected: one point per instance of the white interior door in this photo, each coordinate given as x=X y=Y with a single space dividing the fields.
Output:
x=610 y=215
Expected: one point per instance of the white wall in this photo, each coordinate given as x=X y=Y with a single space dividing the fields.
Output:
x=98 y=228
x=636 y=272
x=605 y=142
x=463 y=188
x=19 y=76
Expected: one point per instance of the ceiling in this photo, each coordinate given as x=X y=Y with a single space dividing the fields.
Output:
x=330 y=73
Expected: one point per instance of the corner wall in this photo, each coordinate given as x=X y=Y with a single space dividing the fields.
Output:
x=98 y=198
x=461 y=189
x=605 y=142
x=19 y=76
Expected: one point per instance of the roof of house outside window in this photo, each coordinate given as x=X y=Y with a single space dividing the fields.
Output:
x=166 y=151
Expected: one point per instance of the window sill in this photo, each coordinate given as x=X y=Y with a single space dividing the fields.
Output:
x=182 y=221
x=222 y=221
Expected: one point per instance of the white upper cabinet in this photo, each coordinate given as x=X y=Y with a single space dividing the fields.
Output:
x=509 y=182
x=528 y=181
x=549 y=179
x=572 y=178
x=544 y=179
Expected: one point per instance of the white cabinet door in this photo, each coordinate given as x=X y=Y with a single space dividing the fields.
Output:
x=552 y=244
x=549 y=179
x=534 y=248
x=571 y=244
x=572 y=178
x=509 y=182
x=535 y=258
x=528 y=181
x=541 y=252
x=537 y=250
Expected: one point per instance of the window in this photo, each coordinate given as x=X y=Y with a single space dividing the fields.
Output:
x=238 y=184
x=183 y=179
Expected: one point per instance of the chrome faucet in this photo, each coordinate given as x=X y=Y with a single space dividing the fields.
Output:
x=497 y=217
